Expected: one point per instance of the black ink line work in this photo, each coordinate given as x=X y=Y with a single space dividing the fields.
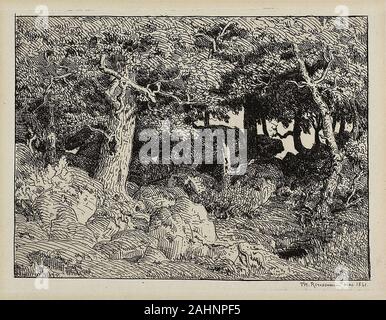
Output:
x=221 y=148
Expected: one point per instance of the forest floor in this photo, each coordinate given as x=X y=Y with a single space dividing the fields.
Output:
x=60 y=226
x=275 y=227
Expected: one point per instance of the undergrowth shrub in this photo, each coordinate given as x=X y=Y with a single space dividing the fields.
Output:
x=237 y=199
x=55 y=178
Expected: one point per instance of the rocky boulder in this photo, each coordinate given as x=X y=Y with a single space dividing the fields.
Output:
x=152 y=255
x=180 y=227
x=130 y=245
x=67 y=227
x=196 y=216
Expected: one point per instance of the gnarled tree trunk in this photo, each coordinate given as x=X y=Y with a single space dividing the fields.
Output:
x=297 y=131
x=250 y=125
x=342 y=125
x=263 y=122
x=113 y=167
x=334 y=122
x=317 y=125
x=206 y=119
x=317 y=138
x=331 y=184
x=51 y=155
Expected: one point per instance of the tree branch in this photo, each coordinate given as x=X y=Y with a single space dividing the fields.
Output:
x=167 y=94
x=166 y=80
x=121 y=97
x=281 y=136
x=109 y=137
x=323 y=76
x=299 y=85
x=126 y=80
x=302 y=65
x=33 y=138
x=225 y=28
x=353 y=189
x=179 y=101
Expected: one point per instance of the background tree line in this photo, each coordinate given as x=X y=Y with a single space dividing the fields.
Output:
x=113 y=76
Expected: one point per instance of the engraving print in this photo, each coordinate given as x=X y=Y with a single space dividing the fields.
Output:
x=181 y=147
